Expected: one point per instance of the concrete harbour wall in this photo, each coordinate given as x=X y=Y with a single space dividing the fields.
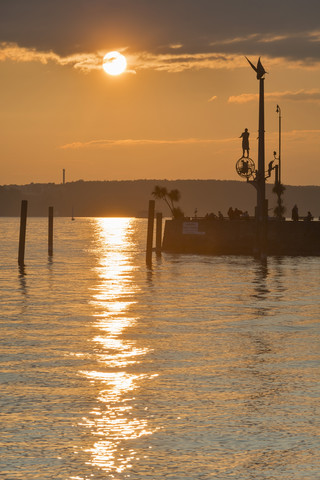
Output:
x=237 y=237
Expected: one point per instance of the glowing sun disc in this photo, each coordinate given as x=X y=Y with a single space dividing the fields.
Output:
x=114 y=63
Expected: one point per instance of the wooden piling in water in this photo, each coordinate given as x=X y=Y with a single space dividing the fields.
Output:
x=50 y=232
x=158 y=233
x=22 y=236
x=150 y=231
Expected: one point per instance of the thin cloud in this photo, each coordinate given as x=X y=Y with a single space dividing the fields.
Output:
x=224 y=144
x=173 y=62
x=86 y=62
x=129 y=142
x=300 y=46
x=176 y=46
x=243 y=98
x=312 y=95
x=19 y=54
x=302 y=135
x=274 y=38
x=141 y=61
x=259 y=38
x=82 y=61
x=314 y=36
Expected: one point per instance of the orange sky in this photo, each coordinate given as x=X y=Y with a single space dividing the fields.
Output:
x=177 y=112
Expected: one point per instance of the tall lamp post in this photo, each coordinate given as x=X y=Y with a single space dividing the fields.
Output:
x=278 y=188
x=279 y=155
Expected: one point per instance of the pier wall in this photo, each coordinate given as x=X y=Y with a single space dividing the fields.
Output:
x=237 y=237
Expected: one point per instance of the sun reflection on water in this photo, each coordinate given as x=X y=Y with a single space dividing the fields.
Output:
x=113 y=421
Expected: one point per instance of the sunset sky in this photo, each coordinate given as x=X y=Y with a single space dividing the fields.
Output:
x=180 y=107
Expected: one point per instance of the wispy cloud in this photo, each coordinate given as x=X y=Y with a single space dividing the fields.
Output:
x=256 y=37
x=178 y=62
x=297 y=47
x=173 y=61
x=129 y=142
x=82 y=61
x=11 y=51
x=303 y=136
x=243 y=98
x=289 y=136
x=312 y=95
x=314 y=36
x=176 y=46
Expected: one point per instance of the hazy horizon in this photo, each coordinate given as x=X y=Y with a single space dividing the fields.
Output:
x=149 y=180
x=130 y=197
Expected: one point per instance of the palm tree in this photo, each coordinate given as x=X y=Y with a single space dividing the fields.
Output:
x=161 y=193
x=174 y=196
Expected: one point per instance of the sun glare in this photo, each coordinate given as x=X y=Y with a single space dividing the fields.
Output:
x=114 y=63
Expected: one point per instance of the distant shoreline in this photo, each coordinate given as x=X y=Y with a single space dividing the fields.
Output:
x=129 y=198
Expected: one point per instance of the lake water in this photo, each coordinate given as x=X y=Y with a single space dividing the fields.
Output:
x=199 y=368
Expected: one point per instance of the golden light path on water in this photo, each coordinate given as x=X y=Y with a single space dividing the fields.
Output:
x=113 y=421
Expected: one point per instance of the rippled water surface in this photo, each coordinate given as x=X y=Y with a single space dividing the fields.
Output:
x=199 y=368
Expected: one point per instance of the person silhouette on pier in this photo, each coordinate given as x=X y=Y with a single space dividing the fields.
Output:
x=309 y=217
x=245 y=142
x=295 y=214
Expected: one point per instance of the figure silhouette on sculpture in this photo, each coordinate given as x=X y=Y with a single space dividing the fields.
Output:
x=245 y=167
x=270 y=168
x=245 y=142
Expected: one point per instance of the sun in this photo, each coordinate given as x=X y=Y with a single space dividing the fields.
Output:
x=114 y=63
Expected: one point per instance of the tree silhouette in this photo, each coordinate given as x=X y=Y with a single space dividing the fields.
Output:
x=161 y=193
x=174 y=196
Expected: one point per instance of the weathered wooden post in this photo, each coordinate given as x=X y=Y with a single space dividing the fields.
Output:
x=158 y=233
x=150 y=231
x=23 y=227
x=50 y=232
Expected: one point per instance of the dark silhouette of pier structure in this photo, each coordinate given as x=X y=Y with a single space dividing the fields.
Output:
x=259 y=235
